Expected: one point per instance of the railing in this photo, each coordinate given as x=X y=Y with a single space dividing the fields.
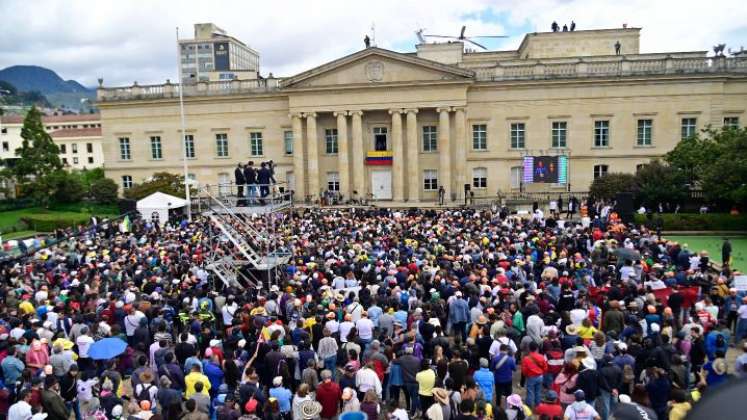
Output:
x=170 y=90
x=616 y=66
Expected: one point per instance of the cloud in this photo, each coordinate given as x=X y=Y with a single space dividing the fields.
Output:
x=133 y=40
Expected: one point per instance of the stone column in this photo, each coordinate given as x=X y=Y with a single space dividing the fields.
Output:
x=313 y=154
x=298 y=166
x=413 y=153
x=460 y=152
x=398 y=156
x=444 y=151
x=343 y=164
x=359 y=183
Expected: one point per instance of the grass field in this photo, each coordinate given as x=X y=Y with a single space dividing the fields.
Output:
x=12 y=226
x=712 y=244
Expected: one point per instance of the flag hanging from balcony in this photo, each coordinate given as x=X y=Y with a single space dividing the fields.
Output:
x=379 y=158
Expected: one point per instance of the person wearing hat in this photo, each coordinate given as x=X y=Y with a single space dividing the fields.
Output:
x=515 y=407
x=550 y=406
x=580 y=409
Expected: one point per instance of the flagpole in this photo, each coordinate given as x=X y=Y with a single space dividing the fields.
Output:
x=184 y=133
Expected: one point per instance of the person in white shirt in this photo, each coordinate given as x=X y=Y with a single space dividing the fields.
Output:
x=338 y=283
x=365 y=328
x=228 y=311
x=355 y=310
x=22 y=409
x=84 y=342
x=501 y=339
x=366 y=378
x=345 y=327
x=332 y=325
x=132 y=321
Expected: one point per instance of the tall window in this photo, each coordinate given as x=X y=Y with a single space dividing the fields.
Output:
x=224 y=183
x=480 y=137
x=689 y=128
x=255 y=144
x=480 y=177
x=516 y=174
x=644 y=132
x=288 y=141
x=75 y=160
x=518 y=140
x=89 y=147
x=600 y=171
x=731 y=122
x=63 y=148
x=430 y=138
x=601 y=133
x=430 y=180
x=124 y=148
x=333 y=181
x=221 y=145
x=75 y=147
x=155 y=147
x=380 y=139
x=126 y=182
x=189 y=146
x=559 y=134
x=330 y=142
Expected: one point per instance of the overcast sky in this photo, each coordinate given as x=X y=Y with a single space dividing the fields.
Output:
x=127 y=40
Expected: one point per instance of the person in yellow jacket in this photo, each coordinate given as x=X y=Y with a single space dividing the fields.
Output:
x=680 y=406
x=194 y=377
x=26 y=308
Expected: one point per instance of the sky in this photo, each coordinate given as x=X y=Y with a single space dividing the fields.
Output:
x=123 y=41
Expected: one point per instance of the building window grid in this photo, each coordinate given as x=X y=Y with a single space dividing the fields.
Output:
x=430 y=180
x=601 y=133
x=189 y=146
x=63 y=148
x=89 y=147
x=689 y=128
x=75 y=147
x=600 y=171
x=479 y=137
x=480 y=177
x=731 y=122
x=645 y=131
x=331 y=145
x=288 y=142
x=126 y=182
x=559 y=134
x=221 y=145
x=124 y=148
x=255 y=144
x=75 y=160
x=430 y=138
x=518 y=135
x=516 y=174
x=156 y=152
x=333 y=181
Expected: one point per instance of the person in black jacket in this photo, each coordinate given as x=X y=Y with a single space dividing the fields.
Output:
x=238 y=176
x=250 y=177
x=611 y=378
x=264 y=176
x=588 y=381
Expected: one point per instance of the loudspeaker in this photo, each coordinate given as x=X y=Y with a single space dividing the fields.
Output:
x=624 y=206
x=126 y=206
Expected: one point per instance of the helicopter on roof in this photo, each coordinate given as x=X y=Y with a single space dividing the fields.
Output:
x=422 y=37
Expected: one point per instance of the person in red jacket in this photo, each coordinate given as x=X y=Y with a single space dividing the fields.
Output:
x=328 y=394
x=550 y=406
x=533 y=367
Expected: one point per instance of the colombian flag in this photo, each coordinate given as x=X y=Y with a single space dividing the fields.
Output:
x=379 y=158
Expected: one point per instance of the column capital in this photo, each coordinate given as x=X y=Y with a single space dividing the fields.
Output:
x=459 y=108
x=356 y=113
x=295 y=115
x=443 y=109
x=340 y=113
x=411 y=110
x=309 y=114
x=395 y=111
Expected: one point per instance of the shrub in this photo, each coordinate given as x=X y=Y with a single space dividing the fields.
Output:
x=104 y=191
x=606 y=187
x=696 y=221
x=49 y=222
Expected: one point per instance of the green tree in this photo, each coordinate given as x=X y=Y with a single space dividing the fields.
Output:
x=38 y=159
x=657 y=183
x=104 y=191
x=160 y=181
x=605 y=187
x=68 y=187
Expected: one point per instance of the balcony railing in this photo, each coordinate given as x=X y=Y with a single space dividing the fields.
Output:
x=170 y=90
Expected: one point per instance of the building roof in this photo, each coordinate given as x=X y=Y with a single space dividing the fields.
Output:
x=76 y=132
x=18 y=119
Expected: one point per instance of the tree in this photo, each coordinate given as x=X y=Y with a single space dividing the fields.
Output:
x=160 y=181
x=104 y=190
x=38 y=159
x=657 y=183
x=68 y=187
x=605 y=187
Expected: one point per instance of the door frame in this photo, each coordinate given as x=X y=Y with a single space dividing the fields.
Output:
x=373 y=185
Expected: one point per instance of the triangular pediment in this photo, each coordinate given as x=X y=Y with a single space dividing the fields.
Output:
x=376 y=66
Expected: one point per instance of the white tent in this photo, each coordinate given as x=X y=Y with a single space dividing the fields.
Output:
x=157 y=206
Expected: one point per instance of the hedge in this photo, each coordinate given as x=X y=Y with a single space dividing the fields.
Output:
x=50 y=222
x=696 y=221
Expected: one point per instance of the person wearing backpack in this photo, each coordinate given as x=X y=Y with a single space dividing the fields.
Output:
x=503 y=366
x=145 y=390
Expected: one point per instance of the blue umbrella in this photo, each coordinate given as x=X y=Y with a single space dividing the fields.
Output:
x=106 y=348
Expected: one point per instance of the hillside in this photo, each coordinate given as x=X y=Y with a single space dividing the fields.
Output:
x=59 y=92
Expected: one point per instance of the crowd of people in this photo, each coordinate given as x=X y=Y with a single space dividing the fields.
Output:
x=432 y=314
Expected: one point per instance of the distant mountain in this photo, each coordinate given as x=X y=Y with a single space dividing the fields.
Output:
x=67 y=93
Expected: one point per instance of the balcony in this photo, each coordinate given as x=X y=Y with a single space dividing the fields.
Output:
x=169 y=90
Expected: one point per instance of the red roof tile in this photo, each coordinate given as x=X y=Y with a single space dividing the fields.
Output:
x=77 y=132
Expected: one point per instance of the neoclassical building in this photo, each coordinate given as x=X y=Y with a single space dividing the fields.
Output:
x=396 y=126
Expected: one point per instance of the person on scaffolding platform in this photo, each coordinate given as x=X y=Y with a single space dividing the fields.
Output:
x=238 y=175
x=264 y=176
x=250 y=177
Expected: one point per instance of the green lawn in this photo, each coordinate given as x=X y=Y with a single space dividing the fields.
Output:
x=19 y=234
x=11 y=220
x=712 y=244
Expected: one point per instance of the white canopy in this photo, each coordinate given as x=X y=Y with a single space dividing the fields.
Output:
x=157 y=205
